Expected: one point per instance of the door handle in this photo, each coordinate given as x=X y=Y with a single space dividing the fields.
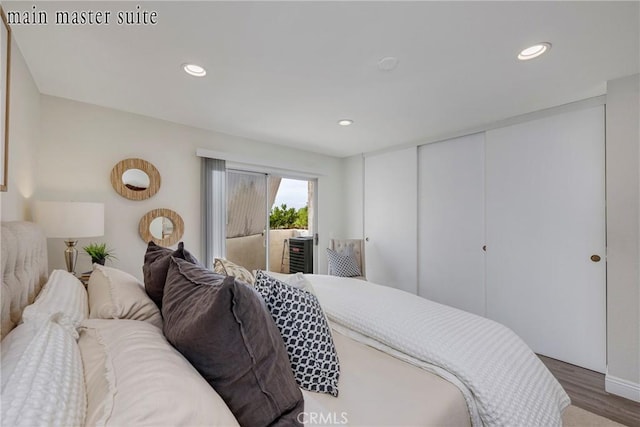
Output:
x=595 y=258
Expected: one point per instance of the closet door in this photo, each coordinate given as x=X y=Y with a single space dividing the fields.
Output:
x=390 y=218
x=545 y=211
x=451 y=223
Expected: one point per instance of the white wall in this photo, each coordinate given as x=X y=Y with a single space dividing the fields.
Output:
x=24 y=130
x=81 y=143
x=623 y=236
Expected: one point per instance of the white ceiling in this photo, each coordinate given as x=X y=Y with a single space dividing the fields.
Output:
x=286 y=72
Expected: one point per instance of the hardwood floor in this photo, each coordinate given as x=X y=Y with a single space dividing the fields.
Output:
x=586 y=389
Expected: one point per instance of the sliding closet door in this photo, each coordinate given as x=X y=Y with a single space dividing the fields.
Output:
x=451 y=223
x=390 y=218
x=545 y=211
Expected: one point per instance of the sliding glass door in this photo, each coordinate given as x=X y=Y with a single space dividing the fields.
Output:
x=291 y=220
x=264 y=212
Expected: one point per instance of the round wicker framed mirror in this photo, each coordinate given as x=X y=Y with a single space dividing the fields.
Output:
x=163 y=227
x=135 y=179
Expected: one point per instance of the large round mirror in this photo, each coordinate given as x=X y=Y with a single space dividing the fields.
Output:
x=163 y=227
x=135 y=179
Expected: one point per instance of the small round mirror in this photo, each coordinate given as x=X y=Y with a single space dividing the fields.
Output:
x=163 y=227
x=135 y=179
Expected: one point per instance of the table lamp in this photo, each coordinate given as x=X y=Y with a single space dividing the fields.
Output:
x=70 y=221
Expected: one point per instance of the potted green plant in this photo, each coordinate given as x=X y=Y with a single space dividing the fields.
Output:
x=99 y=252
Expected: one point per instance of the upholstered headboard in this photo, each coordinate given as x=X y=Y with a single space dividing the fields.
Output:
x=24 y=269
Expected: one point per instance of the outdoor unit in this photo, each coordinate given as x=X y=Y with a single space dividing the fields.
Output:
x=301 y=255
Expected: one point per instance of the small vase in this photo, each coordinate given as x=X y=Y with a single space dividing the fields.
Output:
x=98 y=261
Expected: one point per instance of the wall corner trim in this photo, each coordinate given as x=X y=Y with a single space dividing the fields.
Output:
x=623 y=388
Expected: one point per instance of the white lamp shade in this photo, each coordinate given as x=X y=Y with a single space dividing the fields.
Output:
x=70 y=220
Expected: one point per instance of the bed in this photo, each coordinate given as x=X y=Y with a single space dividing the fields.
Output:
x=113 y=356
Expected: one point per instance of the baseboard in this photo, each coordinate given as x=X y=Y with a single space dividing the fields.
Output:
x=622 y=388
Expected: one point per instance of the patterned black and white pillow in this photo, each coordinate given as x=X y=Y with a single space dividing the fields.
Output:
x=342 y=265
x=305 y=332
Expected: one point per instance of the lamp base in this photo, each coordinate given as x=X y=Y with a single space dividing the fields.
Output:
x=71 y=255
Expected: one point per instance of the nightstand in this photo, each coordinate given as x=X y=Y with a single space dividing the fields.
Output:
x=84 y=278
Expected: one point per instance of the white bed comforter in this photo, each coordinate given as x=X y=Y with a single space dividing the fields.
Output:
x=502 y=378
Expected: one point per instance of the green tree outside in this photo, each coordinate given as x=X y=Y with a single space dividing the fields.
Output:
x=283 y=217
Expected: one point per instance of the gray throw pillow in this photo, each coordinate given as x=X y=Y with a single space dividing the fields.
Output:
x=224 y=329
x=156 y=265
x=342 y=265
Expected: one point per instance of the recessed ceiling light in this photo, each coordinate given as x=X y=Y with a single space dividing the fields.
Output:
x=388 y=63
x=194 y=70
x=345 y=122
x=534 y=51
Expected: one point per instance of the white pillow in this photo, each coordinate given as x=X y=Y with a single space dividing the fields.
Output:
x=63 y=293
x=46 y=385
x=296 y=280
x=114 y=294
x=135 y=377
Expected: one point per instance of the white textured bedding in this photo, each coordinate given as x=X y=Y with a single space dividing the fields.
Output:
x=45 y=384
x=496 y=371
